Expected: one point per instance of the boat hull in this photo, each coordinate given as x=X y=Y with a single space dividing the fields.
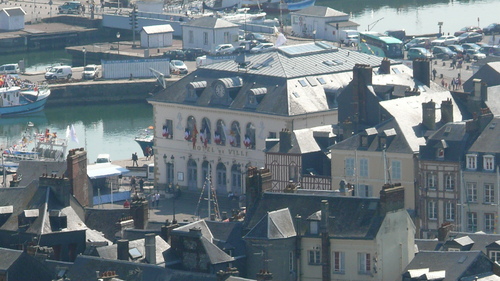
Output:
x=144 y=144
x=276 y=7
x=35 y=104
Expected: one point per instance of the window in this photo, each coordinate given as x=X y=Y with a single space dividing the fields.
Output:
x=349 y=167
x=489 y=223
x=293 y=172
x=449 y=211
x=365 y=190
x=431 y=180
x=314 y=256
x=226 y=37
x=440 y=153
x=338 y=263
x=167 y=130
x=220 y=134
x=272 y=135
x=205 y=38
x=249 y=140
x=489 y=193
x=363 y=167
x=190 y=132
x=364 y=261
x=449 y=182
x=471 y=161
x=234 y=136
x=471 y=192
x=495 y=256
x=314 y=227
x=471 y=222
x=432 y=210
x=396 y=169
x=488 y=163
x=191 y=36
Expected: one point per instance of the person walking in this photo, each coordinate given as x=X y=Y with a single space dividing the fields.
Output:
x=141 y=185
x=434 y=73
x=157 y=199
x=132 y=183
x=153 y=199
x=134 y=160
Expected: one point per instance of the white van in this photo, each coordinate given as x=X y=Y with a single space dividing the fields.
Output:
x=59 y=72
x=349 y=37
x=12 y=68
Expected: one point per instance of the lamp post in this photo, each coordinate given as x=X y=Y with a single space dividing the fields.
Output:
x=440 y=24
x=84 y=56
x=169 y=164
x=118 y=39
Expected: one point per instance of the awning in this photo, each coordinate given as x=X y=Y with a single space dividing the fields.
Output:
x=104 y=170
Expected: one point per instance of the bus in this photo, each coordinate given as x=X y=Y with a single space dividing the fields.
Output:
x=380 y=45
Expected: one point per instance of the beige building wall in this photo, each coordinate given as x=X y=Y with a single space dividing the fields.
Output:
x=183 y=150
x=376 y=177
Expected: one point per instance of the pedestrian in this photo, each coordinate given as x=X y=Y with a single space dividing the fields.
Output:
x=134 y=160
x=153 y=198
x=434 y=73
x=132 y=183
x=141 y=185
x=453 y=63
x=453 y=84
x=157 y=198
x=459 y=82
x=442 y=82
x=83 y=9
x=148 y=152
x=126 y=204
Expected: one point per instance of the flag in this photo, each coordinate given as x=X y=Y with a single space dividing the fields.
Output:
x=280 y=40
x=194 y=136
x=247 y=142
x=276 y=31
x=187 y=136
x=72 y=134
x=165 y=132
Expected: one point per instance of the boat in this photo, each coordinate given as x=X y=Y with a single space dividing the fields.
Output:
x=20 y=96
x=286 y=6
x=145 y=139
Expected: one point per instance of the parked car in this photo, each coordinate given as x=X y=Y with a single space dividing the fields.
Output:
x=175 y=55
x=469 y=37
x=11 y=68
x=488 y=49
x=351 y=40
x=70 y=7
x=224 y=49
x=468 y=29
x=256 y=36
x=467 y=46
x=177 y=66
x=492 y=28
x=90 y=71
x=474 y=54
x=193 y=53
x=442 y=52
x=246 y=45
x=444 y=40
x=456 y=48
x=262 y=47
x=419 y=52
x=59 y=72
x=424 y=42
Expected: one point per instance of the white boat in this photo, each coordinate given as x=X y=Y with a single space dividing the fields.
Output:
x=21 y=97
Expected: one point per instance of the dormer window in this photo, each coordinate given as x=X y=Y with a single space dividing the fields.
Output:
x=488 y=162
x=255 y=96
x=382 y=142
x=364 y=141
x=440 y=153
x=314 y=227
x=471 y=161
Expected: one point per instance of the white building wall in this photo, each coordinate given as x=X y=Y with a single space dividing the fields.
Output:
x=158 y=40
x=215 y=37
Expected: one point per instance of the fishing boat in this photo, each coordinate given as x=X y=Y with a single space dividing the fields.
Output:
x=145 y=139
x=20 y=96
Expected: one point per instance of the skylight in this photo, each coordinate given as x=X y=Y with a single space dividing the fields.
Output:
x=134 y=253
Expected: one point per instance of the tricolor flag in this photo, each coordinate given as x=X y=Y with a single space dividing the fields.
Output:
x=71 y=133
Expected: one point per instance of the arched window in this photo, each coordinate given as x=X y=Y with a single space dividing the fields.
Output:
x=221 y=178
x=192 y=177
x=205 y=132
x=220 y=133
x=235 y=135
x=236 y=179
x=190 y=130
x=249 y=140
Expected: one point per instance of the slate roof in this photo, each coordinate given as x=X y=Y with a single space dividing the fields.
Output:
x=16 y=11
x=354 y=218
x=32 y=170
x=33 y=197
x=274 y=225
x=110 y=252
x=481 y=240
x=455 y=137
x=320 y=11
x=428 y=245
x=493 y=101
x=295 y=78
x=489 y=74
x=227 y=235
x=487 y=142
x=210 y=23
x=85 y=267
x=9 y=257
x=201 y=224
x=303 y=140
x=454 y=263
x=158 y=29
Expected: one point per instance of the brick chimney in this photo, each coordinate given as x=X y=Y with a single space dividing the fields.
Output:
x=60 y=186
x=77 y=173
x=385 y=67
x=150 y=246
x=429 y=115
x=422 y=71
x=258 y=181
x=122 y=249
x=325 y=242
x=285 y=141
x=139 y=209
x=446 y=111
x=361 y=78
x=392 y=198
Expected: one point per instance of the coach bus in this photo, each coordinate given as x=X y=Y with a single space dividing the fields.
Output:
x=380 y=45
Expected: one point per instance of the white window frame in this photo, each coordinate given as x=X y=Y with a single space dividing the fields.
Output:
x=432 y=210
x=489 y=193
x=314 y=256
x=471 y=161
x=338 y=262
x=396 y=169
x=431 y=180
x=471 y=192
x=365 y=263
x=495 y=256
x=472 y=221
x=449 y=212
x=488 y=162
x=440 y=153
x=489 y=222
x=449 y=181
x=363 y=168
x=349 y=167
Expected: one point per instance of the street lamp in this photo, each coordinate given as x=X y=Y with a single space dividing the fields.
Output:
x=118 y=38
x=84 y=56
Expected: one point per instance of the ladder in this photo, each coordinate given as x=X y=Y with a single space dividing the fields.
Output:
x=211 y=197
